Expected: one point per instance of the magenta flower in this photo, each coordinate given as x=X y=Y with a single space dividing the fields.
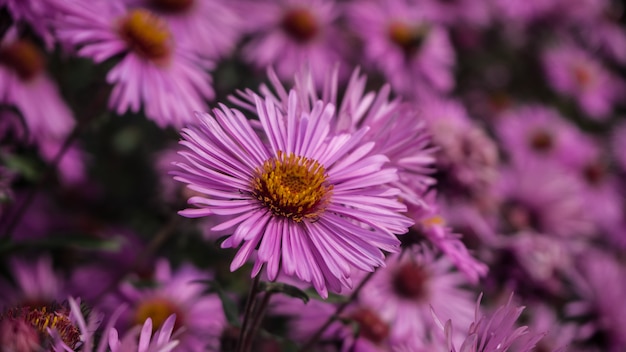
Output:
x=290 y=33
x=495 y=333
x=397 y=128
x=413 y=52
x=178 y=293
x=306 y=193
x=540 y=196
x=573 y=72
x=35 y=13
x=144 y=340
x=467 y=158
x=155 y=70
x=404 y=292
x=211 y=27
x=430 y=223
x=23 y=80
x=36 y=284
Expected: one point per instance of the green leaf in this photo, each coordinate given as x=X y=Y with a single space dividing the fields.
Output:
x=280 y=287
x=230 y=307
x=23 y=165
x=65 y=241
x=332 y=297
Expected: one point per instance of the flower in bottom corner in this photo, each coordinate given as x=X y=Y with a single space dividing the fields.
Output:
x=311 y=203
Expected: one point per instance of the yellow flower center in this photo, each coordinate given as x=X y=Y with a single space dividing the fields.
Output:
x=158 y=309
x=146 y=34
x=292 y=186
x=300 y=25
x=24 y=58
x=408 y=38
x=172 y=6
x=44 y=318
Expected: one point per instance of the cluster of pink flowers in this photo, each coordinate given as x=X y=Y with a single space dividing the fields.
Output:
x=312 y=175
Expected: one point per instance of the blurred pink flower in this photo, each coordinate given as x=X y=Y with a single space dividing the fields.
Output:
x=155 y=70
x=430 y=223
x=575 y=73
x=210 y=28
x=492 y=333
x=404 y=291
x=413 y=52
x=288 y=34
x=199 y=316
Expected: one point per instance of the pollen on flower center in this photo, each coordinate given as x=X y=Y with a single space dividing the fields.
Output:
x=410 y=280
x=172 y=6
x=46 y=318
x=408 y=38
x=292 y=186
x=146 y=34
x=158 y=309
x=23 y=57
x=300 y=25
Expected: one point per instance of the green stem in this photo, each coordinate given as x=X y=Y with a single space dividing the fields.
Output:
x=243 y=333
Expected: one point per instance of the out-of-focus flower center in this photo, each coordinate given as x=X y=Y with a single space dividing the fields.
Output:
x=582 y=75
x=24 y=58
x=172 y=6
x=410 y=281
x=520 y=216
x=146 y=34
x=408 y=38
x=370 y=325
x=594 y=172
x=292 y=186
x=300 y=24
x=46 y=318
x=541 y=140
x=158 y=309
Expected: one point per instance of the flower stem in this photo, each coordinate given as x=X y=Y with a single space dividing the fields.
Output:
x=256 y=322
x=243 y=333
x=340 y=308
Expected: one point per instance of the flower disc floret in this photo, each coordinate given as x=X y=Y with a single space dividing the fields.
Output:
x=24 y=58
x=300 y=25
x=146 y=34
x=293 y=187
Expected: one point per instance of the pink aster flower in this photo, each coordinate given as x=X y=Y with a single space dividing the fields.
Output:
x=413 y=52
x=573 y=72
x=430 y=223
x=404 y=291
x=136 y=340
x=458 y=12
x=200 y=318
x=23 y=80
x=396 y=126
x=540 y=196
x=600 y=281
x=305 y=193
x=467 y=159
x=497 y=332
x=34 y=13
x=211 y=27
x=539 y=131
x=155 y=70
x=36 y=284
x=288 y=33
